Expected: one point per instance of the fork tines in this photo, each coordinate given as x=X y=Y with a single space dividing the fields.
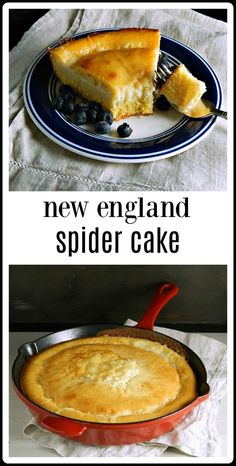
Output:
x=162 y=73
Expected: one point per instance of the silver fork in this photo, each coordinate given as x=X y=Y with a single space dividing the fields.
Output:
x=164 y=71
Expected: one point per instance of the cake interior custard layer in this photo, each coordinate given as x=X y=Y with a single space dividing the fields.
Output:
x=116 y=69
x=109 y=379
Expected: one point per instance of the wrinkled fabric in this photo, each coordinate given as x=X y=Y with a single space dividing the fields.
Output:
x=37 y=163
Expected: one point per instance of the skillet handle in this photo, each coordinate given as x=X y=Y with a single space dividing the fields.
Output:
x=165 y=292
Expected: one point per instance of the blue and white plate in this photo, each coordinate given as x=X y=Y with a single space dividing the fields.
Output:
x=154 y=137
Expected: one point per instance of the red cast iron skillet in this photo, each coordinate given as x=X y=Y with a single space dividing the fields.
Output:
x=93 y=433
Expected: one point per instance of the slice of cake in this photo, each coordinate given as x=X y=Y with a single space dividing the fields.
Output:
x=183 y=90
x=115 y=69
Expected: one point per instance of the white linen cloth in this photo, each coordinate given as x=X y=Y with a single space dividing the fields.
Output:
x=37 y=163
x=196 y=435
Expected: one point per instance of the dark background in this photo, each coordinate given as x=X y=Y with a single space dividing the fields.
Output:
x=50 y=298
x=22 y=20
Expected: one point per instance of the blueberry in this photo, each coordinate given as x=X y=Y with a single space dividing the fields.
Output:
x=69 y=108
x=77 y=108
x=81 y=118
x=58 y=102
x=70 y=97
x=124 y=130
x=94 y=106
x=92 y=116
x=102 y=127
x=82 y=105
x=64 y=88
x=105 y=115
x=162 y=103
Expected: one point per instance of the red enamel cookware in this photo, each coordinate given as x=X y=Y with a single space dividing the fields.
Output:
x=94 y=433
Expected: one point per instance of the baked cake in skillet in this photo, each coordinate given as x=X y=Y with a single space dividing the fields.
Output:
x=109 y=379
x=115 y=69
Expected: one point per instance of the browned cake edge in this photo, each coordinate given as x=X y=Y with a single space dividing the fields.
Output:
x=147 y=335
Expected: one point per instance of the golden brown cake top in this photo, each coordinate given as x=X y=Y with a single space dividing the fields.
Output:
x=109 y=379
x=75 y=49
x=119 y=67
